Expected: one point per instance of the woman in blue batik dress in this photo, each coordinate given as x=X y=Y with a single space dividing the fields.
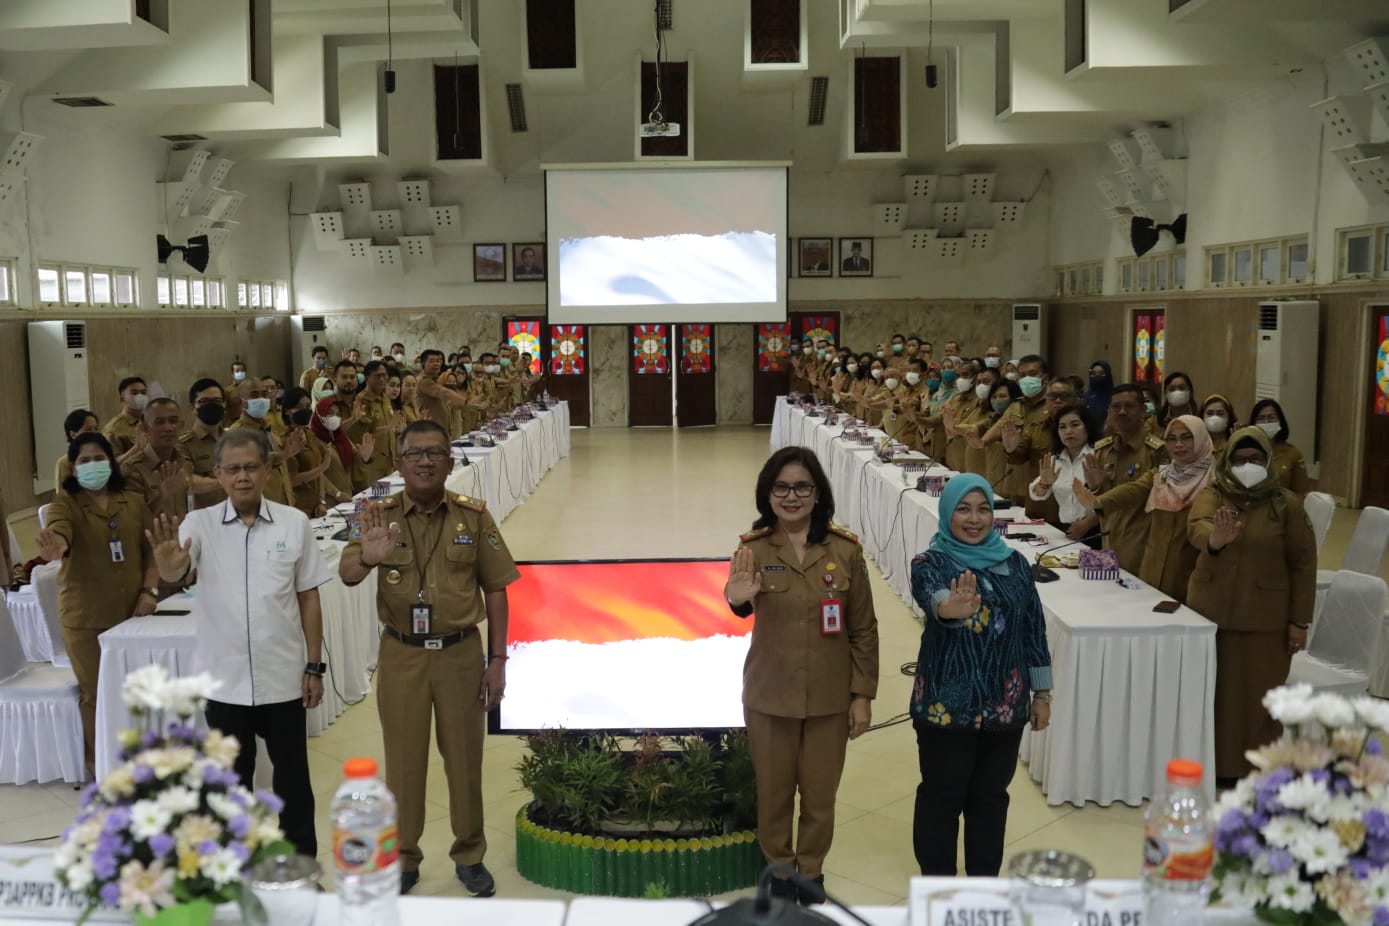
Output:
x=983 y=673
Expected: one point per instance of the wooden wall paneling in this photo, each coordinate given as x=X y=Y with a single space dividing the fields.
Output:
x=1214 y=342
x=17 y=447
x=1344 y=376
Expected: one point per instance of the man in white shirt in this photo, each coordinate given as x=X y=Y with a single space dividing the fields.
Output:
x=258 y=617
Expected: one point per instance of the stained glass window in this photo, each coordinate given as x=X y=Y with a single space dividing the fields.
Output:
x=567 y=350
x=650 y=349
x=696 y=355
x=1382 y=368
x=771 y=346
x=820 y=327
x=524 y=335
x=1149 y=346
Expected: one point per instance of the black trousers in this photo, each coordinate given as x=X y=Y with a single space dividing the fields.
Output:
x=282 y=727
x=963 y=772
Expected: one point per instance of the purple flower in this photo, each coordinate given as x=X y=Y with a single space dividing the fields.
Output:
x=1246 y=845
x=1381 y=916
x=1342 y=786
x=1231 y=825
x=104 y=864
x=271 y=801
x=1374 y=748
x=162 y=844
x=239 y=850
x=1361 y=869
x=149 y=739
x=111 y=894
x=208 y=847
x=182 y=732
x=1376 y=822
x=116 y=821
x=239 y=825
x=1320 y=775
x=1377 y=850
x=89 y=794
x=1266 y=791
x=1258 y=820
x=1278 y=861
x=143 y=774
x=241 y=799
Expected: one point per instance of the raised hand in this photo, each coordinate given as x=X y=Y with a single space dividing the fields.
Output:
x=173 y=484
x=378 y=535
x=1084 y=495
x=169 y=555
x=963 y=600
x=744 y=578
x=1095 y=474
x=51 y=546
x=1047 y=473
x=294 y=442
x=1228 y=528
x=368 y=447
x=1012 y=436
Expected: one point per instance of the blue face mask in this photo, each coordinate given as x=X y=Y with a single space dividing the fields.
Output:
x=1031 y=386
x=326 y=393
x=948 y=377
x=257 y=408
x=505 y=363
x=468 y=366
x=361 y=378
x=933 y=384
x=93 y=475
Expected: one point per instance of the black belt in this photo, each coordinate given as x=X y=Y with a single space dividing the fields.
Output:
x=429 y=643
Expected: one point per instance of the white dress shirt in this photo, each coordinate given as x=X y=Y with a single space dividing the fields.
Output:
x=1068 y=470
x=250 y=636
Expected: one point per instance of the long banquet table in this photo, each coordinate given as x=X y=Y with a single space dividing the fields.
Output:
x=504 y=476
x=1133 y=688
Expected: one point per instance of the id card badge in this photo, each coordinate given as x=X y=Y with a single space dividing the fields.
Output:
x=421 y=619
x=117 y=552
x=831 y=617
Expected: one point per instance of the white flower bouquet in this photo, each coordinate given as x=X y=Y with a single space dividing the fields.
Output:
x=166 y=834
x=1304 y=839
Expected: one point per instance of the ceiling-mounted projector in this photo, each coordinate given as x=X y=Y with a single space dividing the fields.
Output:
x=660 y=130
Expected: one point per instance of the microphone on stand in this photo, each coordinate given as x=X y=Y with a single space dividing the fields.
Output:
x=999 y=501
x=1042 y=573
x=764 y=909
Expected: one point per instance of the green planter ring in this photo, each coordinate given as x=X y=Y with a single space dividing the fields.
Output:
x=612 y=867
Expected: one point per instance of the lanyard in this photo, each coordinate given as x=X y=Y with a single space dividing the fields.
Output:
x=422 y=565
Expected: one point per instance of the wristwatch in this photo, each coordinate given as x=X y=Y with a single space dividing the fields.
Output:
x=315 y=668
x=152 y=592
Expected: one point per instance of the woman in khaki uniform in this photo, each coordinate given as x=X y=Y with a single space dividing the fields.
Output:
x=1218 y=414
x=875 y=396
x=1166 y=494
x=1256 y=579
x=988 y=460
x=309 y=465
x=406 y=404
x=97 y=529
x=1288 y=464
x=812 y=668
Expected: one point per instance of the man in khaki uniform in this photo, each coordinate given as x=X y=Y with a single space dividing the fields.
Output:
x=255 y=405
x=805 y=691
x=374 y=414
x=899 y=418
x=444 y=570
x=1121 y=458
x=318 y=366
x=232 y=390
x=1024 y=429
x=123 y=430
x=432 y=398
x=160 y=474
x=198 y=445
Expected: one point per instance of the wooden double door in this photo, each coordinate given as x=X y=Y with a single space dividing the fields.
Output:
x=672 y=376
x=563 y=358
x=771 y=360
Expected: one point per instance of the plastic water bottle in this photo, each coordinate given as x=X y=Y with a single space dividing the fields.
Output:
x=366 y=848
x=1178 y=849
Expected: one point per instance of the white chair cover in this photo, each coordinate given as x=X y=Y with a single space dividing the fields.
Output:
x=1343 y=637
x=43 y=515
x=45 y=581
x=40 y=723
x=1321 y=508
x=28 y=621
x=1367 y=543
x=1379 y=665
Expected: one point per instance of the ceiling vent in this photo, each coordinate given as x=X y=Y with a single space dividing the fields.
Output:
x=80 y=102
x=516 y=107
x=183 y=138
x=819 y=86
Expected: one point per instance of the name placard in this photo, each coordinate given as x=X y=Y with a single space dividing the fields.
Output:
x=984 y=902
x=29 y=886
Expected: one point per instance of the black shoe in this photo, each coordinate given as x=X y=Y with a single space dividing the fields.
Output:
x=408 y=879
x=782 y=889
x=806 y=898
x=477 y=879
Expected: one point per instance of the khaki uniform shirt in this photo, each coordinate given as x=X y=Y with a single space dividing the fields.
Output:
x=1126 y=462
x=94 y=592
x=1166 y=557
x=308 y=495
x=307 y=379
x=376 y=417
x=965 y=408
x=1031 y=415
x=454 y=554
x=142 y=476
x=1290 y=468
x=898 y=425
x=197 y=446
x=792 y=669
x=433 y=407
x=121 y=432
x=278 y=488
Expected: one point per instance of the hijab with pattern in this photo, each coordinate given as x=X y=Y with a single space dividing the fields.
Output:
x=1177 y=484
x=991 y=551
x=1270 y=489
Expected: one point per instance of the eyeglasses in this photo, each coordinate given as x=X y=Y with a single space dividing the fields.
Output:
x=435 y=455
x=802 y=489
x=236 y=469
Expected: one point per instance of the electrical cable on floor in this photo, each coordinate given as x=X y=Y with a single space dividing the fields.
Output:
x=333 y=680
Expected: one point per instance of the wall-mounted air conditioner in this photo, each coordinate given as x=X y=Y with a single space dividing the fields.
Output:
x=57 y=385
x=309 y=332
x=1029 y=329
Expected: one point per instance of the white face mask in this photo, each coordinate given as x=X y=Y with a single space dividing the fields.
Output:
x=1011 y=376
x=851 y=367
x=808 y=351
x=1249 y=474
x=964 y=384
x=991 y=362
x=913 y=379
x=982 y=391
x=399 y=358
x=878 y=373
x=1217 y=424
x=1271 y=428
x=332 y=422
x=890 y=382
x=1178 y=397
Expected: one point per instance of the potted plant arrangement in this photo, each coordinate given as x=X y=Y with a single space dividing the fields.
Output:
x=165 y=836
x=1304 y=839
x=665 y=818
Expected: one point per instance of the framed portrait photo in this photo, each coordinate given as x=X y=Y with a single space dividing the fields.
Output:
x=856 y=257
x=489 y=263
x=528 y=262
x=816 y=257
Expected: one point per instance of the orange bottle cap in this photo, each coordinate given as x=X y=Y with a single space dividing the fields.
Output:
x=366 y=768
x=1184 y=771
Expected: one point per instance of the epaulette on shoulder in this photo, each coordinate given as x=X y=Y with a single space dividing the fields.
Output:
x=476 y=504
x=392 y=502
x=843 y=532
x=755 y=535
x=185 y=437
x=1104 y=442
x=1154 y=442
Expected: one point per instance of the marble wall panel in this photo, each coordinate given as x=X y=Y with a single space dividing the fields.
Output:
x=609 y=351
x=734 y=348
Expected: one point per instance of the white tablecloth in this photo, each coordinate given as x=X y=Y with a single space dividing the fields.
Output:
x=29 y=623
x=505 y=475
x=1133 y=688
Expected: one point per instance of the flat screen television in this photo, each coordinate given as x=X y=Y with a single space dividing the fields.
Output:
x=622 y=646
